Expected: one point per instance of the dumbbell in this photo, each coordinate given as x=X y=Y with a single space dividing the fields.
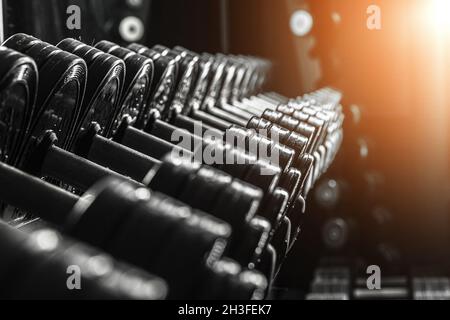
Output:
x=59 y=99
x=258 y=124
x=98 y=149
x=140 y=87
x=147 y=52
x=165 y=73
x=241 y=113
x=303 y=128
x=153 y=146
x=133 y=237
x=229 y=199
x=84 y=47
x=289 y=136
x=151 y=52
x=141 y=51
x=18 y=85
x=187 y=76
x=214 y=83
x=147 y=229
x=105 y=84
x=35 y=266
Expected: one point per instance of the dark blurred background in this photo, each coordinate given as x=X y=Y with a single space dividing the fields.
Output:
x=394 y=168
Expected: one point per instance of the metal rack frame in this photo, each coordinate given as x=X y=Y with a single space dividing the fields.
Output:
x=2 y=35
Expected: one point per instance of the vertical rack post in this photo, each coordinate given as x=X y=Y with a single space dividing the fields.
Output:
x=2 y=35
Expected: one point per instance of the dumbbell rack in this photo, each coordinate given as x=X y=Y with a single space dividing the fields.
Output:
x=92 y=146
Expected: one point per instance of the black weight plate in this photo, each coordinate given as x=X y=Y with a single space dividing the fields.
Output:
x=285 y=109
x=44 y=245
x=257 y=123
x=171 y=177
x=60 y=97
x=137 y=285
x=89 y=54
x=70 y=45
x=166 y=75
x=308 y=132
x=84 y=51
x=143 y=237
x=13 y=252
x=237 y=137
x=20 y=42
x=301 y=127
x=277 y=133
x=281 y=240
x=253 y=242
x=165 y=89
x=229 y=158
x=215 y=285
x=108 y=46
x=203 y=190
x=267 y=264
x=102 y=278
x=201 y=87
x=272 y=116
x=310 y=111
x=194 y=239
x=296 y=215
x=321 y=132
x=18 y=85
x=104 y=86
x=147 y=52
x=41 y=52
x=161 y=49
x=47 y=279
x=158 y=179
x=238 y=203
x=138 y=82
x=298 y=142
x=264 y=176
x=186 y=85
x=289 y=123
x=98 y=215
x=274 y=206
x=291 y=181
x=236 y=161
x=272 y=149
x=104 y=105
x=136 y=96
x=186 y=248
x=252 y=286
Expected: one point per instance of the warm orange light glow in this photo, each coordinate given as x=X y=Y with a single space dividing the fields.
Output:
x=440 y=14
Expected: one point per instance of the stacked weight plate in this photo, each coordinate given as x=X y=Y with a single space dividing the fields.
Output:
x=171 y=161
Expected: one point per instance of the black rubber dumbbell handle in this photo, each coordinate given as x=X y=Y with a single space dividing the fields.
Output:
x=119 y=158
x=48 y=160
